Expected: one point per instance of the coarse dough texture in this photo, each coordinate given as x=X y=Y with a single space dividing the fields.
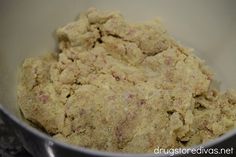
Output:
x=123 y=87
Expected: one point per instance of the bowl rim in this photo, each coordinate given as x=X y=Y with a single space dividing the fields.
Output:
x=88 y=151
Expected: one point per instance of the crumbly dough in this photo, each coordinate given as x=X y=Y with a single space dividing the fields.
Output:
x=123 y=87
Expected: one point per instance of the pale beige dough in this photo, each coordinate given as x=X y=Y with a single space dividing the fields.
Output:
x=123 y=87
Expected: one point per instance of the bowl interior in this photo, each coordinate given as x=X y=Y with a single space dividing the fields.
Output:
x=27 y=28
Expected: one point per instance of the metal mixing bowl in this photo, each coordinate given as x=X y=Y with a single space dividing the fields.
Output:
x=26 y=29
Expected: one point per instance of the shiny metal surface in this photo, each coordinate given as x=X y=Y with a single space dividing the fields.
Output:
x=26 y=29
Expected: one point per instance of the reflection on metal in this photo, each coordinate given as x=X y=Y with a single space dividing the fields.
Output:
x=49 y=149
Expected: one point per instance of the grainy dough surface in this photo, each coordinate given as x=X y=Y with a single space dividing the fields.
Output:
x=123 y=87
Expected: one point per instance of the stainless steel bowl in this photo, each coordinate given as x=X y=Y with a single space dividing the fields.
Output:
x=26 y=29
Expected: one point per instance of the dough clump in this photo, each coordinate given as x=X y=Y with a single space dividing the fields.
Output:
x=123 y=87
